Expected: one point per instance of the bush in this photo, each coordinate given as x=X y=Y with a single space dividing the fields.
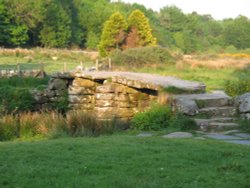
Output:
x=183 y=123
x=142 y=56
x=15 y=99
x=237 y=87
x=156 y=118
x=245 y=125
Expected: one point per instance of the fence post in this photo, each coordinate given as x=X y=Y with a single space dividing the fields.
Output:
x=65 y=67
x=18 y=67
x=110 y=64
x=97 y=65
x=41 y=67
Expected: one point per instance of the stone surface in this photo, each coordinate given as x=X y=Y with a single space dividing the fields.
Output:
x=188 y=107
x=81 y=99
x=143 y=80
x=225 y=111
x=80 y=91
x=243 y=103
x=57 y=84
x=80 y=82
x=178 y=135
x=243 y=135
x=105 y=96
x=222 y=136
x=242 y=142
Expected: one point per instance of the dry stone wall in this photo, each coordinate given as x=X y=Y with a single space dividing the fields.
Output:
x=107 y=100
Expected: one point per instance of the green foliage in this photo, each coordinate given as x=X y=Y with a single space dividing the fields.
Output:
x=62 y=103
x=113 y=34
x=240 y=84
x=183 y=123
x=245 y=125
x=56 y=29
x=139 y=21
x=15 y=99
x=156 y=118
x=142 y=56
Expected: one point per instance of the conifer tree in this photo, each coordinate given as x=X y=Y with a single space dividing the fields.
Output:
x=113 y=35
x=138 y=21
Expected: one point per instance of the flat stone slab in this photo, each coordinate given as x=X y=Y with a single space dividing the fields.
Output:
x=243 y=142
x=145 y=135
x=243 y=135
x=222 y=136
x=178 y=135
x=137 y=80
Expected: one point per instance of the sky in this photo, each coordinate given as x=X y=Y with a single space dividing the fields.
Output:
x=219 y=9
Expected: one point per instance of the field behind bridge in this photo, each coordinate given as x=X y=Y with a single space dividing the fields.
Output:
x=212 y=69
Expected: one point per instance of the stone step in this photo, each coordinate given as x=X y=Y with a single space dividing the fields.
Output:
x=212 y=100
x=218 y=126
x=225 y=111
x=205 y=122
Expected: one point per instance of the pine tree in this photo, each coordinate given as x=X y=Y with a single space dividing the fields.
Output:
x=137 y=20
x=113 y=35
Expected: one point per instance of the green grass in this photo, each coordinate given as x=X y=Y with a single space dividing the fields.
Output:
x=124 y=161
x=33 y=61
x=214 y=79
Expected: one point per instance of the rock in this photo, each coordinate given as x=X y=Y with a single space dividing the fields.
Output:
x=178 y=135
x=57 y=84
x=231 y=132
x=80 y=91
x=121 y=97
x=222 y=136
x=243 y=103
x=80 y=82
x=105 y=103
x=105 y=89
x=245 y=116
x=185 y=106
x=243 y=135
x=81 y=99
x=104 y=96
x=105 y=112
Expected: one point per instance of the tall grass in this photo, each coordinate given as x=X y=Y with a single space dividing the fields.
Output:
x=51 y=125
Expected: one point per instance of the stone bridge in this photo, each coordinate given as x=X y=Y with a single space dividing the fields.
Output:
x=113 y=94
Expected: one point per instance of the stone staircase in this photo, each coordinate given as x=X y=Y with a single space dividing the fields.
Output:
x=212 y=112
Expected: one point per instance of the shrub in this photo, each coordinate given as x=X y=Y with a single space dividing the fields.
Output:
x=245 y=125
x=15 y=99
x=156 y=118
x=142 y=56
x=183 y=123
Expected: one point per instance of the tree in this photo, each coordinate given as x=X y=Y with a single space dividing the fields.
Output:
x=4 y=24
x=56 y=30
x=138 y=22
x=113 y=34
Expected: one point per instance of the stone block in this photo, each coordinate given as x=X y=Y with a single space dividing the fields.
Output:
x=105 y=112
x=81 y=99
x=125 y=104
x=122 y=97
x=243 y=103
x=105 y=89
x=87 y=106
x=104 y=96
x=105 y=103
x=138 y=96
x=81 y=82
x=80 y=91
x=57 y=84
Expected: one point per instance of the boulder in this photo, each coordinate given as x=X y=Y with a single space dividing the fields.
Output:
x=57 y=84
x=186 y=106
x=243 y=103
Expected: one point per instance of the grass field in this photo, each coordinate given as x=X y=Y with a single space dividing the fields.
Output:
x=124 y=161
x=54 y=60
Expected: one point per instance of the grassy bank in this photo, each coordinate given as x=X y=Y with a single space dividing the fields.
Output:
x=124 y=161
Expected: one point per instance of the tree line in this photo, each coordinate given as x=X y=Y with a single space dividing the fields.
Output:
x=80 y=24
